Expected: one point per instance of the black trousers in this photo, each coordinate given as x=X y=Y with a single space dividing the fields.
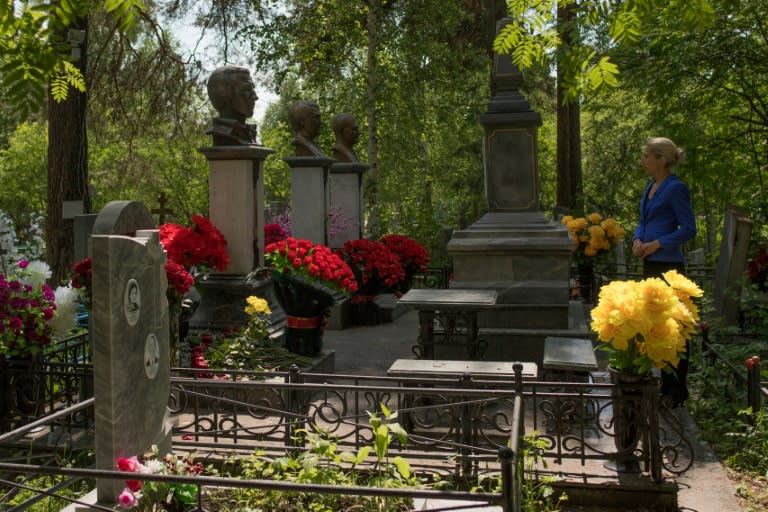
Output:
x=673 y=385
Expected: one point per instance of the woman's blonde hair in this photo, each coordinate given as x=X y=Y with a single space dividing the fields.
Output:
x=662 y=147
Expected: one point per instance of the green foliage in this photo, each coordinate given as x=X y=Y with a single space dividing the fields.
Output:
x=51 y=503
x=240 y=352
x=531 y=34
x=740 y=437
x=538 y=494
x=752 y=439
x=322 y=463
x=23 y=171
x=29 y=60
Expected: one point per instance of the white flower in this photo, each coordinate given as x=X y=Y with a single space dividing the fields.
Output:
x=36 y=273
x=154 y=467
x=66 y=310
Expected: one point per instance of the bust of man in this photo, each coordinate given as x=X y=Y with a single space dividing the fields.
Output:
x=233 y=95
x=304 y=117
x=347 y=134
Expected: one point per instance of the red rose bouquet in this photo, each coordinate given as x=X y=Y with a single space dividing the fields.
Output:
x=376 y=268
x=757 y=270
x=82 y=279
x=306 y=277
x=313 y=263
x=413 y=255
x=202 y=246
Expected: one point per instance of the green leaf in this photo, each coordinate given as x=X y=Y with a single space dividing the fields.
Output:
x=402 y=466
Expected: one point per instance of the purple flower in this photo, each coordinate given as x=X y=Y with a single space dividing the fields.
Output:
x=15 y=323
x=48 y=313
x=23 y=264
x=48 y=293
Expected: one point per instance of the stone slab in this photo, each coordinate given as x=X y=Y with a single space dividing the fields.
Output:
x=488 y=370
x=429 y=298
x=574 y=354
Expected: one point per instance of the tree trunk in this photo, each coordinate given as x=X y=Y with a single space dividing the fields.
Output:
x=569 y=178
x=374 y=213
x=67 y=168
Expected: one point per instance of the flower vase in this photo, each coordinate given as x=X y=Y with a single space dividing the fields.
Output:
x=307 y=306
x=629 y=415
x=304 y=335
x=364 y=310
x=586 y=273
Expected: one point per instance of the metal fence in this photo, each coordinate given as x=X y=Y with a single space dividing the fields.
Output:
x=463 y=427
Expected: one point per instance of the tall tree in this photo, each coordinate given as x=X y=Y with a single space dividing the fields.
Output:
x=67 y=159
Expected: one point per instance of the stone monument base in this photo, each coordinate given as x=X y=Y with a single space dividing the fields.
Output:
x=222 y=303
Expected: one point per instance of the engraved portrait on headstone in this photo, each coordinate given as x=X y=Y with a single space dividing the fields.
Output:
x=347 y=134
x=132 y=302
x=304 y=118
x=233 y=95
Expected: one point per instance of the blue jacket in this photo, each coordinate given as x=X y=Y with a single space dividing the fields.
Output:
x=668 y=218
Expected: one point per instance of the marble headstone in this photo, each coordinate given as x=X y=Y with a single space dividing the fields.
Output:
x=131 y=351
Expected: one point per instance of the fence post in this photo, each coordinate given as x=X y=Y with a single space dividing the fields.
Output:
x=294 y=404
x=465 y=439
x=754 y=399
x=654 y=405
x=507 y=458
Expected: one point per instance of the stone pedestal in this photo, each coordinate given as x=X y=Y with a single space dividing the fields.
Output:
x=236 y=202
x=310 y=197
x=514 y=249
x=346 y=189
x=236 y=205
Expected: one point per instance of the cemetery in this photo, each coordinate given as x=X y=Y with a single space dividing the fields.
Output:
x=438 y=312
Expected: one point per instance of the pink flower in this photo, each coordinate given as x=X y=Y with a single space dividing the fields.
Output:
x=22 y=264
x=127 y=499
x=129 y=464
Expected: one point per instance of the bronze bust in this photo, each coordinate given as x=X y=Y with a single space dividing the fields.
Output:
x=347 y=134
x=304 y=118
x=233 y=95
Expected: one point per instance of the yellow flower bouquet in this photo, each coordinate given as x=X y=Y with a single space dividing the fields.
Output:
x=646 y=324
x=593 y=235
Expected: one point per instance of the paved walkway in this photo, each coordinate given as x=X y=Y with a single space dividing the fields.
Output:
x=372 y=350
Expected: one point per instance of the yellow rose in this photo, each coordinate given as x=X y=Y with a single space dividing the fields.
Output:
x=577 y=224
x=257 y=305
x=595 y=218
x=566 y=219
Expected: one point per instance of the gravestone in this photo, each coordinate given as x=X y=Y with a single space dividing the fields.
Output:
x=731 y=263
x=515 y=249
x=131 y=358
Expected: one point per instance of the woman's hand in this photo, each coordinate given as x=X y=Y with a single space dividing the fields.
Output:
x=641 y=250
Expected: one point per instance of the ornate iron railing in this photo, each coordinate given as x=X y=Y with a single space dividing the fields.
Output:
x=463 y=427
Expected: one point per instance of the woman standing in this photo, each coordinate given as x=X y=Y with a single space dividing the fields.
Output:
x=666 y=223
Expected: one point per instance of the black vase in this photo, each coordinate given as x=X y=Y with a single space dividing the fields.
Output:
x=307 y=306
x=586 y=281
x=629 y=415
x=364 y=311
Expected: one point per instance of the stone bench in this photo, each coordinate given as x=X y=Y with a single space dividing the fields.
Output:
x=568 y=359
